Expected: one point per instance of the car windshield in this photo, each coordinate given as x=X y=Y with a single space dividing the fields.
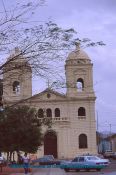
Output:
x=43 y=159
x=50 y=157
x=92 y=158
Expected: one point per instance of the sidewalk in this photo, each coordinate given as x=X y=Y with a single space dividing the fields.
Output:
x=7 y=170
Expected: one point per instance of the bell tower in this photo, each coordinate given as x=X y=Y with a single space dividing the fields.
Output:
x=81 y=97
x=17 y=78
x=79 y=74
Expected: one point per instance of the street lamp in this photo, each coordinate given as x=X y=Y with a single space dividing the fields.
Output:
x=110 y=137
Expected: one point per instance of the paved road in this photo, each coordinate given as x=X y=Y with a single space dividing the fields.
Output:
x=110 y=170
x=44 y=171
x=57 y=171
x=50 y=171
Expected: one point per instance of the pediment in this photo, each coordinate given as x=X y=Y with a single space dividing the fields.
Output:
x=48 y=95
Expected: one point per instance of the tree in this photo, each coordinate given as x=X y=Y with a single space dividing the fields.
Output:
x=19 y=130
x=43 y=45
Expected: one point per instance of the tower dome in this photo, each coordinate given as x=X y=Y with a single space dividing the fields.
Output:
x=78 y=53
x=17 y=78
x=17 y=55
x=17 y=59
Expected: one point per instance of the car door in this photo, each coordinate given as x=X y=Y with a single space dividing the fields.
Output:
x=78 y=162
x=74 y=163
x=81 y=160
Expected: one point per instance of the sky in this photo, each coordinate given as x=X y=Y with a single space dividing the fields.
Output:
x=94 y=19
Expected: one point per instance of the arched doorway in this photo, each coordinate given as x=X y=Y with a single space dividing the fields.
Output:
x=50 y=144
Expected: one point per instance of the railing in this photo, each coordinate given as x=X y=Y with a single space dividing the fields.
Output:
x=81 y=117
x=64 y=119
x=56 y=119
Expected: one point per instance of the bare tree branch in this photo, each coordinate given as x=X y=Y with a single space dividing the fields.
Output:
x=42 y=46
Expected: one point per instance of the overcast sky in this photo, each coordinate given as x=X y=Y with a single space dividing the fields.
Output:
x=94 y=19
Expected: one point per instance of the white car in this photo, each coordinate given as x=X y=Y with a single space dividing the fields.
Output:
x=108 y=154
x=97 y=160
x=85 y=163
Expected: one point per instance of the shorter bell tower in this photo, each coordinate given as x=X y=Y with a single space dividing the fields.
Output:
x=17 y=78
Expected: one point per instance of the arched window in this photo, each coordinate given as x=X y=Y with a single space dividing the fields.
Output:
x=80 y=84
x=81 y=111
x=49 y=112
x=40 y=113
x=57 y=112
x=1 y=104
x=16 y=87
x=83 y=141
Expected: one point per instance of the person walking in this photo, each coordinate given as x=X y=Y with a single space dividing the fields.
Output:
x=26 y=161
x=1 y=162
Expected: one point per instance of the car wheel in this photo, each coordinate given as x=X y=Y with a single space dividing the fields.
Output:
x=77 y=170
x=66 y=169
x=98 y=169
x=88 y=170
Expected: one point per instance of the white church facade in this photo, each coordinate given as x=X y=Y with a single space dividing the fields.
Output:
x=73 y=131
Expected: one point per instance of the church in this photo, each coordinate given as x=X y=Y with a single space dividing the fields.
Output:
x=73 y=131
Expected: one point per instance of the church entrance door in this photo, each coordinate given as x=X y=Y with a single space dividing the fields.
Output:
x=50 y=144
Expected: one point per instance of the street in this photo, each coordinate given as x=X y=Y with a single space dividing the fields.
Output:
x=110 y=170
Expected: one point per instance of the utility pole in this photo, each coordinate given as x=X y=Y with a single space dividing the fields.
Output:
x=98 y=136
x=110 y=136
x=110 y=128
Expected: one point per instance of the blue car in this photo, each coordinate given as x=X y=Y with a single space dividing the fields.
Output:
x=46 y=160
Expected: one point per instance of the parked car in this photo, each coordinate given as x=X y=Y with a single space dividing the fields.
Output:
x=51 y=157
x=114 y=155
x=86 y=163
x=108 y=154
x=47 y=160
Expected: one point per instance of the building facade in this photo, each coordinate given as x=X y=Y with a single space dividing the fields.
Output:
x=73 y=131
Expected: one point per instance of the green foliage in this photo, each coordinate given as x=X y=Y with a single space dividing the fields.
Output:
x=18 y=130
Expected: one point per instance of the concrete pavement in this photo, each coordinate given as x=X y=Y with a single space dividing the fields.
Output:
x=44 y=171
x=50 y=171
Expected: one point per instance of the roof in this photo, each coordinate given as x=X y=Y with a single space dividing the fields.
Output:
x=49 y=95
x=39 y=95
x=78 y=53
x=17 y=60
x=48 y=90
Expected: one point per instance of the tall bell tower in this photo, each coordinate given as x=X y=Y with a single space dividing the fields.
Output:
x=81 y=96
x=17 y=78
x=79 y=74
